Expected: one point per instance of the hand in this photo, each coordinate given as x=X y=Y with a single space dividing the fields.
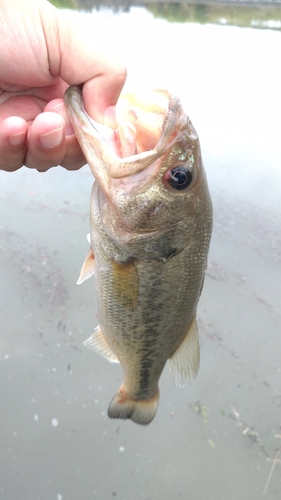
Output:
x=42 y=53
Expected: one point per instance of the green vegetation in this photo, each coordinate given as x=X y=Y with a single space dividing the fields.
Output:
x=257 y=16
x=243 y=16
x=201 y=410
x=65 y=4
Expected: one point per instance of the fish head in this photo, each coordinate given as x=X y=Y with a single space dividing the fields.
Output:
x=149 y=170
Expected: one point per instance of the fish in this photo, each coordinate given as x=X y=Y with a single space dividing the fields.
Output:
x=150 y=231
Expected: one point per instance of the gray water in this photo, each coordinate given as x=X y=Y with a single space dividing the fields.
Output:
x=220 y=438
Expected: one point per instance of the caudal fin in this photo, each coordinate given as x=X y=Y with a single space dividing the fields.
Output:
x=141 y=411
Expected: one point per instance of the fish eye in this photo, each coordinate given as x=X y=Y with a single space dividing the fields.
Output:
x=180 y=178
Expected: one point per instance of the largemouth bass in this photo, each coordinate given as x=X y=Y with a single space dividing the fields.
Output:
x=151 y=223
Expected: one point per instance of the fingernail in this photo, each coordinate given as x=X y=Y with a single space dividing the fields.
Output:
x=52 y=139
x=17 y=139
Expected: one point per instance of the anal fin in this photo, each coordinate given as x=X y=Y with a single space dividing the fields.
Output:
x=184 y=363
x=98 y=343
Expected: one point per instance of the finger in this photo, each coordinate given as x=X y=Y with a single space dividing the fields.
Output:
x=13 y=143
x=58 y=106
x=100 y=95
x=82 y=61
x=46 y=144
x=25 y=106
x=74 y=158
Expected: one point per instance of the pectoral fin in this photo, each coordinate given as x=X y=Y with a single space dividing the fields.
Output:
x=88 y=268
x=184 y=363
x=98 y=343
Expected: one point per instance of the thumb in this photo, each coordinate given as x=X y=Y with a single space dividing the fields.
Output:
x=83 y=61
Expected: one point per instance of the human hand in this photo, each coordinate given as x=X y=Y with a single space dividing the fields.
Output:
x=42 y=53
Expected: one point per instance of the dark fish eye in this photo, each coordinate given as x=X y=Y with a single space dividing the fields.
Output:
x=180 y=178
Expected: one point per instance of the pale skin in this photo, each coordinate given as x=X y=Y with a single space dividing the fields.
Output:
x=43 y=52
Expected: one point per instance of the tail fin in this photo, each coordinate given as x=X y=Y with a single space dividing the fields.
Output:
x=141 y=411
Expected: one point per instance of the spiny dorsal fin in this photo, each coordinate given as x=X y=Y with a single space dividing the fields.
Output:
x=98 y=343
x=184 y=363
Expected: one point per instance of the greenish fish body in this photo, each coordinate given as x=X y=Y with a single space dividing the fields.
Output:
x=151 y=223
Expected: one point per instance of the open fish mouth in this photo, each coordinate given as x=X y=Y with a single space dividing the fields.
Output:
x=140 y=123
x=146 y=128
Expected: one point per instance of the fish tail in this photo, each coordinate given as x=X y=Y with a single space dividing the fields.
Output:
x=141 y=411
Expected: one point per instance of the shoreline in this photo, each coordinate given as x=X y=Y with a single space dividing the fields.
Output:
x=257 y=14
x=220 y=3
